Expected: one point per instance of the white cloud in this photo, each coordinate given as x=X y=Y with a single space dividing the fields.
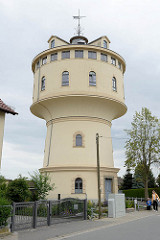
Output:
x=119 y=158
x=16 y=161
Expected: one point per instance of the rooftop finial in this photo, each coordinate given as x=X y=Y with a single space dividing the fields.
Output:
x=79 y=26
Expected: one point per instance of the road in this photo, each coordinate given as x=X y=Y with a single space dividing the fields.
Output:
x=146 y=229
x=144 y=225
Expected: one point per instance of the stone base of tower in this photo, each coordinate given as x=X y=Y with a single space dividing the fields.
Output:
x=64 y=179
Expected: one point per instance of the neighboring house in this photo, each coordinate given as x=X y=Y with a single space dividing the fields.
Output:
x=78 y=90
x=3 y=110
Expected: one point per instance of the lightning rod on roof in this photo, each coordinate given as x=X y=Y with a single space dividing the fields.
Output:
x=79 y=25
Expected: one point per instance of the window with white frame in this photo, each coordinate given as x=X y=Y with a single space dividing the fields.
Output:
x=78 y=185
x=78 y=53
x=92 y=79
x=44 y=60
x=78 y=140
x=104 y=43
x=113 y=61
x=65 y=78
x=53 y=56
x=43 y=80
x=65 y=54
x=92 y=55
x=52 y=43
x=104 y=57
x=114 y=84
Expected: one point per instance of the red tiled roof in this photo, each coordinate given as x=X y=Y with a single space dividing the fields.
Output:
x=5 y=108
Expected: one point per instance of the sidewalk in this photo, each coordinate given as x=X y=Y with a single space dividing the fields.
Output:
x=59 y=231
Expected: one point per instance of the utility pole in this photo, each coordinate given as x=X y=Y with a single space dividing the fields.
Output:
x=98 y=174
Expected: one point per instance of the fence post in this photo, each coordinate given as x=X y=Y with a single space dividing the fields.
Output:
x=85 y=209
x=49 y=213
x=35 y=214
x=13 y=217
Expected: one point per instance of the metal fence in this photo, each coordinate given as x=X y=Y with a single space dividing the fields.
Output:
x=42 y=213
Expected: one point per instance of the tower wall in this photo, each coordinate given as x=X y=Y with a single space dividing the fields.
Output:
x=79 y=108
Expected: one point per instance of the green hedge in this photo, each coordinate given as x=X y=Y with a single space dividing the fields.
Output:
x=139 y=193
x=5 y=212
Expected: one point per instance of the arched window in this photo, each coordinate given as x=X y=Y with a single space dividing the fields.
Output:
x=114 y=84
x=78 y=140
x=43 y=83
x=65 y=78
x=78 y=185
x=92 y=79
x=104 y=43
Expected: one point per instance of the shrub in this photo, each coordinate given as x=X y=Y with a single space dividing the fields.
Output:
x=90 y=205
x=5 y=211
x=17 y=190
x=129 y=204
x=139 y=193
x=3 y=187
x=42 y=184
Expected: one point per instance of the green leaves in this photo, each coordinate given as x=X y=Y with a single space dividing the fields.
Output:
x=143 y=146
x=42 y=185
x=17 y=190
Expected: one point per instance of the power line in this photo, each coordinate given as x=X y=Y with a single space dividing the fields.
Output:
x=114 y=137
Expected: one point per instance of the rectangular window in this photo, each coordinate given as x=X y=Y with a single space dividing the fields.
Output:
x=53 y=56
x=104 y=57
x=78 y=53
x=52 y=43
x=92 y=55
x=104 y=43
x=44 y=60
x=65 y=54
x=119 y=65
x=113 y=61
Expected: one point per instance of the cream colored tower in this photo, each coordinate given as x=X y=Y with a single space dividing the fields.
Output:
x=79 y=90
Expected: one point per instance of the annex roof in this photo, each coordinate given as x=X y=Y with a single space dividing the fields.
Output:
x=6 y=109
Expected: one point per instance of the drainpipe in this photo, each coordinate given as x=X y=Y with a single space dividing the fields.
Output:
x=50 y=144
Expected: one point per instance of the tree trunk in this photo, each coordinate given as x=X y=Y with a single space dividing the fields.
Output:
x=146 y=187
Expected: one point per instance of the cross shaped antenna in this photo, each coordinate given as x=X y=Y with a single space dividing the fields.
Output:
x=79 y=26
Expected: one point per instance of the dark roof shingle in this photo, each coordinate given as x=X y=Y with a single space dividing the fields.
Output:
x=6 y=109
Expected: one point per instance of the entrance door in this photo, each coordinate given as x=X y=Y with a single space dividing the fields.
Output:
x=108 y=187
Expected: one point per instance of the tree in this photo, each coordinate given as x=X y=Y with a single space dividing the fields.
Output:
x=17 y=190
x=127 y=180
x=139 y=178
x=158 y=180
x=3 y=187
x=143 y=146
x=42 y=184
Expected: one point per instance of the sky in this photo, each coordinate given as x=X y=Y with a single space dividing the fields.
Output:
x=26 y=26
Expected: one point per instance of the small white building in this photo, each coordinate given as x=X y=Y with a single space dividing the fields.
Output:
x=3 y=110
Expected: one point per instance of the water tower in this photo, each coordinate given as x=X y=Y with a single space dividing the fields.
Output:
x=78 y=90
